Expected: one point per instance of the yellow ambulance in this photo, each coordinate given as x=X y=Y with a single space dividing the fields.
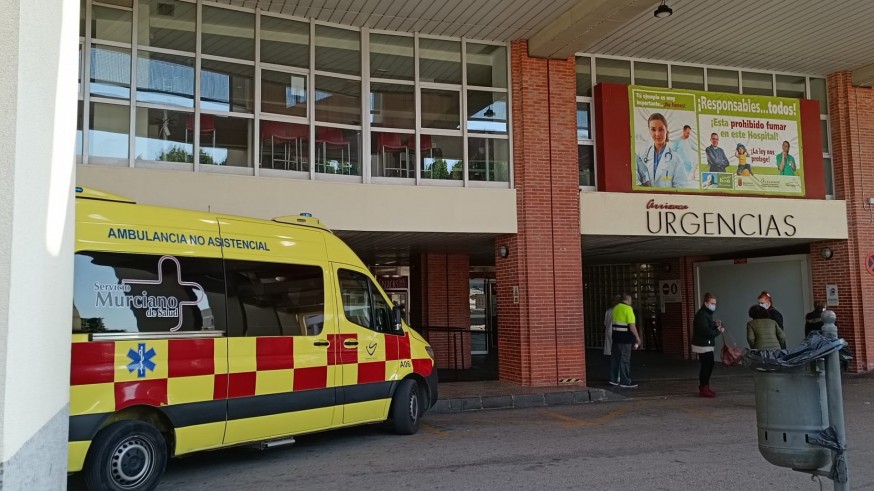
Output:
x=196 y=331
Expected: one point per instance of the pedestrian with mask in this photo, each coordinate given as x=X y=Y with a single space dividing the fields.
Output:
x=813 y=319
x=773 y=314
x=625 y=338
x=705 y=330
x=762 y=331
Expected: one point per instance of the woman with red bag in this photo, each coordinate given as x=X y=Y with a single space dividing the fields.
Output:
x=704 y=331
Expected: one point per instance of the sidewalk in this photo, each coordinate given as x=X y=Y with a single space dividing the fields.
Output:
x=658 y=376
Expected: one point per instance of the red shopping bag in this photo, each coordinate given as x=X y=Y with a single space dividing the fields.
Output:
x=731 y=354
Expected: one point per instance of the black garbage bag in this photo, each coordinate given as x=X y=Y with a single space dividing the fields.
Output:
x=814 y=347
x=828 y=438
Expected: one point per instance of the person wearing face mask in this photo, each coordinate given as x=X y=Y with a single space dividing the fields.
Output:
x=813 y=319
x=763 y=332
x=773 y=314
x=704 y=332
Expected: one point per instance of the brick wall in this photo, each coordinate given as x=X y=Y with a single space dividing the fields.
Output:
x=540 y=338
x=851 y=110
x=441 y=293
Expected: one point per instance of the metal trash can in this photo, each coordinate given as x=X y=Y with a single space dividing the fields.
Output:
x=791 y=410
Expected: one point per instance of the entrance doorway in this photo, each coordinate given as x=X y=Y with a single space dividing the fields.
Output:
x=602 y=282
x=483 y=316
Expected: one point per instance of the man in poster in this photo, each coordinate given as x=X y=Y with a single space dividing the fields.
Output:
x=716 y=157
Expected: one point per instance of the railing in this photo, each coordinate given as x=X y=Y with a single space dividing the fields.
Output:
x=455 y=356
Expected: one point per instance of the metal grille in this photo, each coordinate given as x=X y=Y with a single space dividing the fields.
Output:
x=602 y=282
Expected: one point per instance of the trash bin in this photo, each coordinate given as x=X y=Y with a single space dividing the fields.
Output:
x=792 y=401
x=791 y=411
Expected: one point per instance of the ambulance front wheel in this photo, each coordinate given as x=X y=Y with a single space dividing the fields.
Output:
x=126 y=455
x=407 y=408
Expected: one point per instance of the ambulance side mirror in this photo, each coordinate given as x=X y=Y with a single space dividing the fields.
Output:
x=396 y=316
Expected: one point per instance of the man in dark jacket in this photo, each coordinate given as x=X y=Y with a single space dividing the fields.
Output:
x=704 y=332
x=813 y=319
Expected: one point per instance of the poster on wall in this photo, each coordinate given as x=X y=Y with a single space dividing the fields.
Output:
x=695 y=141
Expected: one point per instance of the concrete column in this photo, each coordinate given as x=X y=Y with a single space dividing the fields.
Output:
x=540 y=305
x=38 y=53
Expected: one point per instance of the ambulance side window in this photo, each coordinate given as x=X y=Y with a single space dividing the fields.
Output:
x=362 y=302
x=118 y=292
x=272 y=299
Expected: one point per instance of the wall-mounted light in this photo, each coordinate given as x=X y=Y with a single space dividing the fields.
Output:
x=662 y=11
x=504 y=251
x=868 y=205
x=826 y=253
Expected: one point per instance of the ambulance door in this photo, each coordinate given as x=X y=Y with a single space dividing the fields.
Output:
x=366 y=351
x=280 y=379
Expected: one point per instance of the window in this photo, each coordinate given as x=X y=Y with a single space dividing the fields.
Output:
x=270 y=299
x=439 y=61
x=758 y=83
x=164 y=135
x=363 y=303
x=687 y=77
x=338 y=50
x=110 y=24
x=110 y=72
x=228 y=33
x=133 y=293
x=108 y=130
x=285 y=42
x=168 y=25
x=650 y=74
x=392 y=57
x=722 y=81
x=612 y=71
x=487 y=65
x=584 y=76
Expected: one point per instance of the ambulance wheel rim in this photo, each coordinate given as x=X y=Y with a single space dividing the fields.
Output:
x=131 y=462
x=414 y=406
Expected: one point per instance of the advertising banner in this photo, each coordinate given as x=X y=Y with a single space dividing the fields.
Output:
x=695 y=141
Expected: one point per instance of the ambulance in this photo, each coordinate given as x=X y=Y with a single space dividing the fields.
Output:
x=195 y=331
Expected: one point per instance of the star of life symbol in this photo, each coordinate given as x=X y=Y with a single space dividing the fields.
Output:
x=160 y=280
x=141 y=360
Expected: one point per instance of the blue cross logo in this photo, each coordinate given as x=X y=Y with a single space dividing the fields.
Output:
x=141 y=360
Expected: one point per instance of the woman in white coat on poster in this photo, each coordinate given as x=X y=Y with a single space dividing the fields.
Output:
x=657 y=165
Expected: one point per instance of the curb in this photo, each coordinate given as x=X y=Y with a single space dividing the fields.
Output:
x=561 y=398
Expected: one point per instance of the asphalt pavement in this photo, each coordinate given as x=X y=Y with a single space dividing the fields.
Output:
x=649 y=443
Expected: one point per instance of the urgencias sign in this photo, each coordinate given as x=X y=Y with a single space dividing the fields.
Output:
x=664 y=218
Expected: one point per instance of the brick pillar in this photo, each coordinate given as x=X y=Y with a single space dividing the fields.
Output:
x=851 y=110
x=540 y=334
x=442 y=299
x=677 y=319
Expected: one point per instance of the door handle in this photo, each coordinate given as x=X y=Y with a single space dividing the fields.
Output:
x=350 y=343
x=321 y=343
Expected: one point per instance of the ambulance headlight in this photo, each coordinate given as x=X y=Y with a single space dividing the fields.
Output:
x=430 y=352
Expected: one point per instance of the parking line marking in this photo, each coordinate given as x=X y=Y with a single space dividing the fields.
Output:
x=572 y=422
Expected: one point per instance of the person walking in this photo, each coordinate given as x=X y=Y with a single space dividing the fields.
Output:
x=625 y=338
x=608 y=324
x=704 y=332
x=762 y=331
x=813 y=319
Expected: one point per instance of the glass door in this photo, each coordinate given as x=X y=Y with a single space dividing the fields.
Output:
x=482 y=315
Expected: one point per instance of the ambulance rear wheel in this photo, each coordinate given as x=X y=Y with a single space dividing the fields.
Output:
x=126 y=455
x=407 y=408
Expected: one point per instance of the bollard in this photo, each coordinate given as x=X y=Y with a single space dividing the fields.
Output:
x=835 y=393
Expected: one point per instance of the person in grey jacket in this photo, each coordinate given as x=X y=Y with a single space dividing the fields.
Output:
x=716 y=157
x=704 y=331
x=763 y=332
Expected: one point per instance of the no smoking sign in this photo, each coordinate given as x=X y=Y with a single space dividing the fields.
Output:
x=869 y=263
